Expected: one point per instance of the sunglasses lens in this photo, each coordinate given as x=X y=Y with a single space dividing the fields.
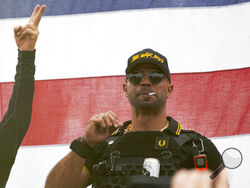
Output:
x=155 y=77
x=135 y=78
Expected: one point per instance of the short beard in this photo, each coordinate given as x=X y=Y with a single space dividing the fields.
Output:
x=148 y=108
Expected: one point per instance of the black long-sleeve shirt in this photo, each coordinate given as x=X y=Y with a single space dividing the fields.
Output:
x=16 y=121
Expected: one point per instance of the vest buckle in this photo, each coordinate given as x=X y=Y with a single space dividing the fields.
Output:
x=114 y=155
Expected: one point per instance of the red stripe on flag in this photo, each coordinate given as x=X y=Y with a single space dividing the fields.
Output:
x=214 y=104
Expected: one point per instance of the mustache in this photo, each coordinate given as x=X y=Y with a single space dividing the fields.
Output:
x=144 y=90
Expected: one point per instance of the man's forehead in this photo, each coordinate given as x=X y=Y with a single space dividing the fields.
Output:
x=145 y=66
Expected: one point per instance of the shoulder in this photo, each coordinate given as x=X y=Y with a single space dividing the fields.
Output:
x=197 y=136
x=190 y=131
x=193 y=134
x=187 y=131
x=208 y=147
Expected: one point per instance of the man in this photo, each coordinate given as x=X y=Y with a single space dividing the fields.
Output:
x=111 y=154
x=16 y=121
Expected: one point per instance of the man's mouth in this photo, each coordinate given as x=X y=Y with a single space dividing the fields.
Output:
x=147 y=93
x=152 y=93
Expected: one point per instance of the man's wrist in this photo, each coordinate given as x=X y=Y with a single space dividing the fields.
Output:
x=29 y=55
x=80 y=147
x=89 y=143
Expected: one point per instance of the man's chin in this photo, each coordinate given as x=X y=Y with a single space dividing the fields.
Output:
x=148 y=106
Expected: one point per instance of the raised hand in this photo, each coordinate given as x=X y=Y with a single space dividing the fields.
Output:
x=100 y=127
x=26 y=36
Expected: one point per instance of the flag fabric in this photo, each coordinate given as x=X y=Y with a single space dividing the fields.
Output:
x=80 y=66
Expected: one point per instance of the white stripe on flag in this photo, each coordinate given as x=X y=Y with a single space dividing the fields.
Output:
x=98 y=44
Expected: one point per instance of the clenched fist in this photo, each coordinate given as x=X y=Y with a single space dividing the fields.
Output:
x=100 y=127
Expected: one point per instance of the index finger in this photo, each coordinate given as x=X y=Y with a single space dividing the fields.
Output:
x=36 y=9
x=37 y=14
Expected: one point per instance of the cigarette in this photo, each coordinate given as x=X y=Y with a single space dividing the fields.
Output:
x=152 y=93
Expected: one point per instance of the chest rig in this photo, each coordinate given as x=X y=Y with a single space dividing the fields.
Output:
x=121 y=157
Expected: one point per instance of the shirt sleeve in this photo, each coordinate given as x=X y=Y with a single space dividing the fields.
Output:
x=16 y=120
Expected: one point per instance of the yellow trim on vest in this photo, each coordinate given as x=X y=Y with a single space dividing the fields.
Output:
x=166 y=125
x=128 y=129
x=114 y=132
x=87 y=171
x=178 y=129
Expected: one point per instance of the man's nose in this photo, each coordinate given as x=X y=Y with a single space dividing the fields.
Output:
x=145 y=80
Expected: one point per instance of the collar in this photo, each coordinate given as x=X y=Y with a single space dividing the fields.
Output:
x=172 y=126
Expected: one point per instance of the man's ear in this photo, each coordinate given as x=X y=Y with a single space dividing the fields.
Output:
x=125 y=89
x=170 y=90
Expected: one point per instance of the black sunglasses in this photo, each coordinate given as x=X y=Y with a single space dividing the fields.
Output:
x=154 y=77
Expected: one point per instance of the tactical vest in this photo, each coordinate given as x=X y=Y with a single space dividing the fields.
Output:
x=120 y=160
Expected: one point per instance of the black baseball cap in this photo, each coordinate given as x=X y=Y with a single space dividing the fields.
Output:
x=149 y=56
